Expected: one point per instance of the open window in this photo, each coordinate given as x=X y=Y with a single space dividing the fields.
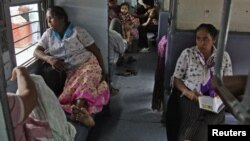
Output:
x=25 y=23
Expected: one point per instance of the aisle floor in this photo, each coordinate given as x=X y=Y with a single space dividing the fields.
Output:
x=129 y=116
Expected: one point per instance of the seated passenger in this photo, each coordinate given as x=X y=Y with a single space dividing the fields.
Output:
x=113 y=11
x=194 y=69
x=34 y=95
x=21 y=106
x=117 y=47
x=129 y=23
x=70 y=48
x=151 y=24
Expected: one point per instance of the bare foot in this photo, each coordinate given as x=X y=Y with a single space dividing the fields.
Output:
x=76 y=108
x=83 y=116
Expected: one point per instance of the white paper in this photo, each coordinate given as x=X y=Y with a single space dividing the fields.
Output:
x=213 y=104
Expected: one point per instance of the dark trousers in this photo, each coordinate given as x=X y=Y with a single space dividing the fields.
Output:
x=143 y=30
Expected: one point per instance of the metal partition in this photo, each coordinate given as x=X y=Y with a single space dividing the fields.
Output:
x=240 y=109
x=6 y=132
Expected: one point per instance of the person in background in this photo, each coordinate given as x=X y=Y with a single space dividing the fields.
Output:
x=150 y=25
x=114 y=10
x=117 y=48
x=70 y=48
x=140 y=10
x=129 y=23
x=194 y=71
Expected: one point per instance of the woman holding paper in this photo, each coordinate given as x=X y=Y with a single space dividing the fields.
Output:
x=191 y=79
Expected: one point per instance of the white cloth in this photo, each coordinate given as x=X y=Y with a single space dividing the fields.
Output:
x=50 y=109
x=71 y=48
x=193 y=71
x=117 y=46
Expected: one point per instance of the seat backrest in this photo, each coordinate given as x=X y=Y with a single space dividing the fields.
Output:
x=163 y=24
x=115 y=24
x=177 y=42
x=238 y=48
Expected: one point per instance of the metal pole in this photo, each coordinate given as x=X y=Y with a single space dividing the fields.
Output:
x=173 y=14
x=223 y=37
x=237 y=108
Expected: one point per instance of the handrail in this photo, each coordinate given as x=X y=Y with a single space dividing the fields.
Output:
x=173 y=14
x=237 y=108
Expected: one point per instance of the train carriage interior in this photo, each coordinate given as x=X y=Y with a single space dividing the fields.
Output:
x=140 y=83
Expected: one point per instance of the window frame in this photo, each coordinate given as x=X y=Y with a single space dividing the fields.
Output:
x=41 y=22
x=8 y=59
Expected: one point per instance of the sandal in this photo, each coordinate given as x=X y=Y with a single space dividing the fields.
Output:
x=132 y=71
x=124 y=73
x=127 y=72
x=114 y=91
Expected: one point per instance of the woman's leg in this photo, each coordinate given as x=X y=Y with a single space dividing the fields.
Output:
x=127 y=29
x=84 y=83
x=143 y=30
x=143 y=41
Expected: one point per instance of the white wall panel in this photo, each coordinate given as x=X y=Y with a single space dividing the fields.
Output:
x=193 y=12
x=91 y=15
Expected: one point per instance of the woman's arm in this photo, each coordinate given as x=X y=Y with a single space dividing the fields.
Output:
x=26 y=88
x=54 y=62
x=192 y=95
x=96 y=51
x=147 y=22
x=140 y=16
x=151 y=16
x=40 y=54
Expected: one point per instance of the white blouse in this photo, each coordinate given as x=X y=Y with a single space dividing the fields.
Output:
x=193 y=70
x=71 y=48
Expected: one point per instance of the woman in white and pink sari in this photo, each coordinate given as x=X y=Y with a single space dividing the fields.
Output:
x=72 y=49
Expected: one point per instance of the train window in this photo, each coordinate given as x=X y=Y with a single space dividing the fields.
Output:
x=25 y=25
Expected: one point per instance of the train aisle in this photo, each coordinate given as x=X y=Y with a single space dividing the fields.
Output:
x=130 y=117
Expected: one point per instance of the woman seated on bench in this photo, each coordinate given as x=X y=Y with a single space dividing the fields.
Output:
x=192 y=78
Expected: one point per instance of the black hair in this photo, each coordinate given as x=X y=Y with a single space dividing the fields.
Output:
x=59 y=12
x=210 y=29
x=124 y=3
x=149 y=2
